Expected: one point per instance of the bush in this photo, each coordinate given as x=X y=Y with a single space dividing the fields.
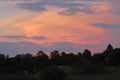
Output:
x=92 y=69
x=88 y=69
x=52 y=73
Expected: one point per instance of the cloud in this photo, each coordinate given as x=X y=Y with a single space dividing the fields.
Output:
x=39 y=38
x=16 y=1
x=61 y=28
x=90 y=25
x=106 y=26
x=24 y=37
x=115 y=6
x=69 y=6
x=113 y=29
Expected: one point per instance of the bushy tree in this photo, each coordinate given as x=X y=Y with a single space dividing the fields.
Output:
x=41 y=60
x=55 y=58
x=87 y=54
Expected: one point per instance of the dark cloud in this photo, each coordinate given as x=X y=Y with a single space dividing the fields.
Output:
x=24 y=37
x=38 y=37
x=72 y=8
x=13 y=37
x=106 y=26
x=112 y=29
x=116 y=6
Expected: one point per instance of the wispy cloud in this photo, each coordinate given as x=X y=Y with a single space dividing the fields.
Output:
x=113 y=29
x=70 y=6
x=24 y=37
x=53 y=26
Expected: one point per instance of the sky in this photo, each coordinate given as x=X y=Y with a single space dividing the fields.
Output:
x=27 y=26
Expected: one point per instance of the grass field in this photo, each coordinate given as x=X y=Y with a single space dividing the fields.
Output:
x=16 y=77
x=111 y=74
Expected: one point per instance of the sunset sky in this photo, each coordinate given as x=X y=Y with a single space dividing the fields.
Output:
x=27 y=26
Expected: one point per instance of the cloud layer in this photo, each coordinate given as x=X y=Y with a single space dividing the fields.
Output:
x=68 y=6
x=65 y=25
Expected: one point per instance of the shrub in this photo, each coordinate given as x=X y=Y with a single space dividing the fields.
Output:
x=92 y=69
x=52 y=73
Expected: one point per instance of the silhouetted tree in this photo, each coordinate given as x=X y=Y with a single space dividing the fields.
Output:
x=79 y=58
x=55 y=58
x=70 y=59
x=87 y=54
x=63 y=58
x=2 y=59
x=41 y=60
x=19 y=62
x=109 y=47
x=108 y=51
x=28 y=62
x=114 y=58
x=98 y=58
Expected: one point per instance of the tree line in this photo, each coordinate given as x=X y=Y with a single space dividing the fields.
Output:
x=33 y=64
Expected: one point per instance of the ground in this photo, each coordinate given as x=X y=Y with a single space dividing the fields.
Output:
x=111 y=74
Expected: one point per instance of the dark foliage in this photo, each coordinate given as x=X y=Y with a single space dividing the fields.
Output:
x=27 y=63
x=52 y=73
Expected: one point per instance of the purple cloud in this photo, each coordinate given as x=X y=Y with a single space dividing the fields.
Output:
x=24 y=37
x=72 y=7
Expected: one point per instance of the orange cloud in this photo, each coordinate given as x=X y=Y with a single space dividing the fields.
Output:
x=62 y=28
x=101 y=8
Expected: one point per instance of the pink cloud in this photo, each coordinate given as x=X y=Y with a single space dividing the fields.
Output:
x=53 y=26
